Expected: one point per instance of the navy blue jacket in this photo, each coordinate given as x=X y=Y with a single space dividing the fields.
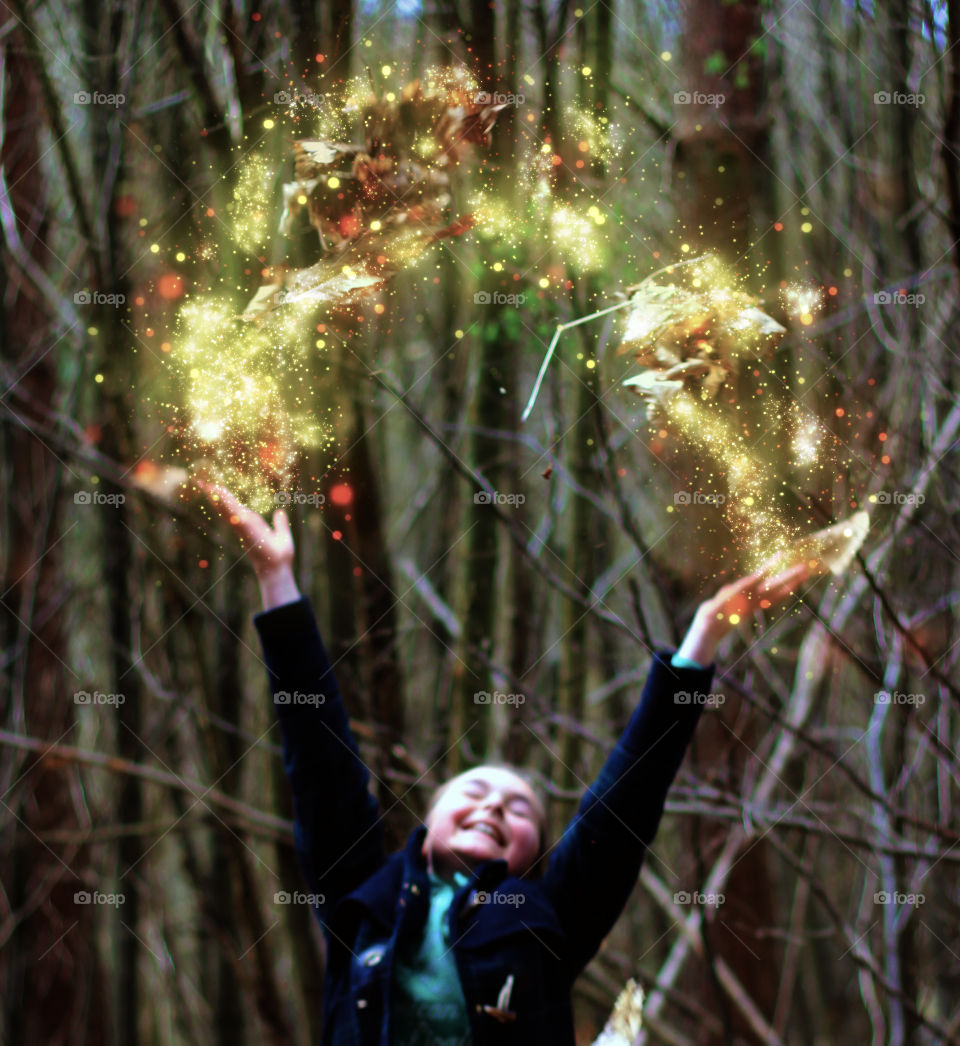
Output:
x=517 y=961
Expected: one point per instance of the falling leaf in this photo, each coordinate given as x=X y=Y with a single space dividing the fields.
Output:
x=162 y=481
x=626 y=1018
x=831 y=549
x=691 y=333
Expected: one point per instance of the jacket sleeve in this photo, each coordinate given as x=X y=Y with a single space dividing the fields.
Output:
x=336 y=822
x=595 y=865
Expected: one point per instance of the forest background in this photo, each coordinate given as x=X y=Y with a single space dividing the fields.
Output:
x=804 y=886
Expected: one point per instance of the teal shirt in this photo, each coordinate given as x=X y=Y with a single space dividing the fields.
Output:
x=427 y=996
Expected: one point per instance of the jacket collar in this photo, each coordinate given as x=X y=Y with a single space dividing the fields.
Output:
x=403 y=879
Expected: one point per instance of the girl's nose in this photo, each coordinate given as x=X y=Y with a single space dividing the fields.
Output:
x=494 y=801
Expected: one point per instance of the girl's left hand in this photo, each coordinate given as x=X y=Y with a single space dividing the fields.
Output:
x=733 y=603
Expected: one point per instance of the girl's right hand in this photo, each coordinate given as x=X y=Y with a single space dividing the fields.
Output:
x=270 y=548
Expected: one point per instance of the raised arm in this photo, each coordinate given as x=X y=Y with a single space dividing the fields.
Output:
x=596 y=863
x=336 y=820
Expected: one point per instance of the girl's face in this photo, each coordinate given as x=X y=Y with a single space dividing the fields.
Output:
x=487 y=813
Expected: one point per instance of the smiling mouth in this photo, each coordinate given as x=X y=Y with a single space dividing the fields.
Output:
x=487 y=830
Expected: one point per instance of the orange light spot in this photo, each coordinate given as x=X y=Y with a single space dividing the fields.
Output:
x=170 y=285
x=583 y=147
x=778 y=226
x=381 y=259
x=765 y=604
x=149 y=332
x=234 y=520
x=580 y=163
x=139 y=300
x=379 y=309
x=125 y=206
x=885 y=460
x=321 y=328
x=350 y=226
x=337 y=535
x=341 y=494
x=203 y=564
x=321 y=57
x=357 y=571
x=839 y=412
x=210 y=212
x=831 y=290
x=882 y=437
x=556 y=160
x=165 y=346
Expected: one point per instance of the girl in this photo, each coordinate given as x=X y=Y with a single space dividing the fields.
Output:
x=454 y=941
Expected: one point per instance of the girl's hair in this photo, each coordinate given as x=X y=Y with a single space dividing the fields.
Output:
x=539 y=863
